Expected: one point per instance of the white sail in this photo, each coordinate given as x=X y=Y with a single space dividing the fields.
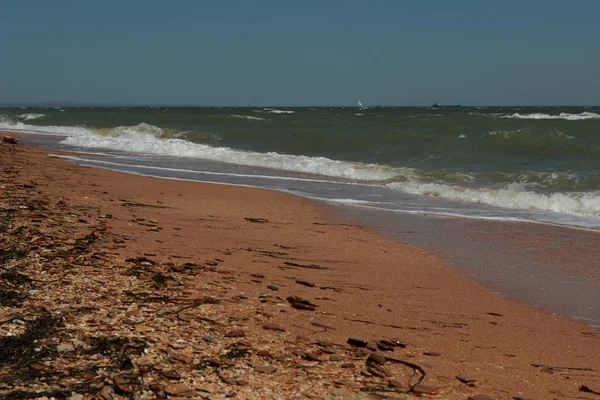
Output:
x=360 y=104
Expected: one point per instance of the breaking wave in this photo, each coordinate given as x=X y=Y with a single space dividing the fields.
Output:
x=148 y=143
x=275 y=111
x=565 y=116
x=8 y=124
x=152 y=140
x=30 y=116
x=247 y=117
x=514 y=196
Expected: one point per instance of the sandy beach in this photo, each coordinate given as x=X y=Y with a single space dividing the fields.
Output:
x=121 y=286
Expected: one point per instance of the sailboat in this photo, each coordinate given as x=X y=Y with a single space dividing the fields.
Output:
x=360 y=106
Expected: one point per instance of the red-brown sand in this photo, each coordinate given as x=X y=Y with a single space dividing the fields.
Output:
x=366 y=286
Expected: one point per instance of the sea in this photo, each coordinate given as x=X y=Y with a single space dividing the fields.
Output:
x=411 y=172
x=538 y=164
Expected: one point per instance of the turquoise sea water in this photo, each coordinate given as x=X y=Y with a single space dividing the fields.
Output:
x=530 y=163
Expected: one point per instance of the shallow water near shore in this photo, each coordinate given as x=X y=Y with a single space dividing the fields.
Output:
x=567 y=283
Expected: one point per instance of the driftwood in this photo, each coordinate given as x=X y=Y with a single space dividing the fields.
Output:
x=399 y=361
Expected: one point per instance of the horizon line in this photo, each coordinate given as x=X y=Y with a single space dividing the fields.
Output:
x=175 y=105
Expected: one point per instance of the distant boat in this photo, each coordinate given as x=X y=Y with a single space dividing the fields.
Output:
x=360 y=105
x=437 y=105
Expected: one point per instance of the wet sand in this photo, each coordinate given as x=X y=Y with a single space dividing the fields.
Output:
x=554 y=268
x=249 y=250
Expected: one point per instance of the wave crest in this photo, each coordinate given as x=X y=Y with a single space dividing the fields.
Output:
x=247 y=117
x=132 y=140
x=275 y=111
x=565 y=116
x=30 y=116
x=514 y=196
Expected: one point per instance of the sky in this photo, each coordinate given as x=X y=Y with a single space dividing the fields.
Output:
x=277 y=52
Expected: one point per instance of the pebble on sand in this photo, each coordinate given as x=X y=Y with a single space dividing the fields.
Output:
x=466 y=379
x=179 y=389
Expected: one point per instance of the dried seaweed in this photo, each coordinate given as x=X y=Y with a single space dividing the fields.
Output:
x=24 y=349
x=14 y=278
x=11 y=298
x=7 y=255
x=112 y=346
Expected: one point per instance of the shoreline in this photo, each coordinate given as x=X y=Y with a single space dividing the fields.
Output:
x=451 y=325
x=577 y=225
x=559 y=280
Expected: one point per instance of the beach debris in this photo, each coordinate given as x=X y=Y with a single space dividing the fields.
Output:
x=106 y=393
x=301 y=304
x=371 y=369
x=257 y=220
x=480 y=397
x=235 y=333
x=10 y=140
x=395 y=342
x=171 y=374
x=466 y=379
x=494 y=314
x=312 y=356
x=265 y=369
x=586 y=389
x=376 y=357
x=396 y=384
x=420 y=390
x=179 y=389
x=320 y=325
x=417 y=388
x=384 y=345
x=357 y=342
x=296 y=265
x=305 y=283
x=274 y=327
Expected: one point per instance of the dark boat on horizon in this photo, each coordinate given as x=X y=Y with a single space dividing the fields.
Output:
x=437 y=105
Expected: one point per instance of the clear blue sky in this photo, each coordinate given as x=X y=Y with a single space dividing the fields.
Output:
x=309 y=52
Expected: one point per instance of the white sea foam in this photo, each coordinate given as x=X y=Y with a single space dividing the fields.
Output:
x=509 y=134
x=247 y=117
x=565 y=116
x=9 y=125
x=146 y=139
x=514 y=196
x=275 y=111
x=30 y=116
x=354 y=202
x=149 y=144
x=118 y=166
